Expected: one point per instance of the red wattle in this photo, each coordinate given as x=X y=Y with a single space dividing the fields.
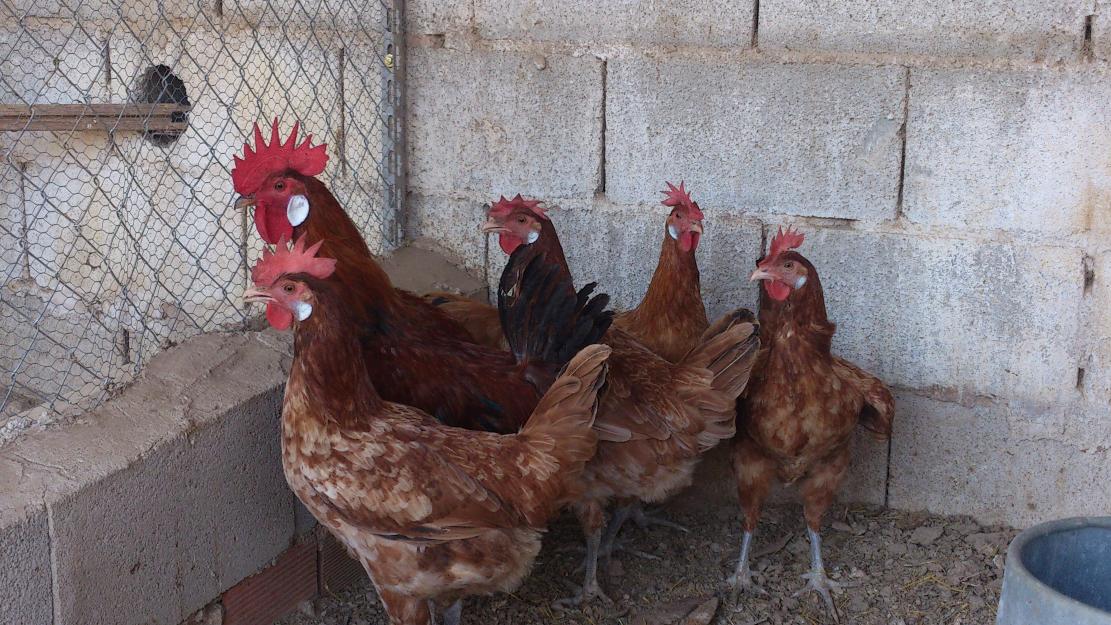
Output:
x=777 y=290
x=272 y=225
x=689 y=240
x=280 y=318
x=509 y=242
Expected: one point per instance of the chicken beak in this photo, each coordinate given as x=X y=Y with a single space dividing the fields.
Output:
x=256 y=295
x=696 y=227
x=244 y=202
x=760 y=274
x=492 y=225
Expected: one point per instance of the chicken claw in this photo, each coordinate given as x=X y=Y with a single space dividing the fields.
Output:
x=741 y=579
x=590 y=588
x=646 y=519
x=583 y=595
x=817 y=580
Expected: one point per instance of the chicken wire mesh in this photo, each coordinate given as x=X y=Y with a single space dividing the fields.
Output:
x=118 y=230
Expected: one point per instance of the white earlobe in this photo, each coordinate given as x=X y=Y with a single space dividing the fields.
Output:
x=533 y=236
x=800 y=282
x=297 y=211
x=673 y=231
x=302 y=310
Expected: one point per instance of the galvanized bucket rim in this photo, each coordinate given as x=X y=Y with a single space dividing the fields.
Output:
x=1014 y=555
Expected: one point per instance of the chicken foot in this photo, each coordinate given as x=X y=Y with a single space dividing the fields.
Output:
x=610 y=543
x=741 y=579
x=817 y=580
x=590 y=588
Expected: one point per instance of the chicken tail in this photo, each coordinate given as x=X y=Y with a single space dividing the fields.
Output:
x=728 y=351
x=546 y=322
x=562 y=425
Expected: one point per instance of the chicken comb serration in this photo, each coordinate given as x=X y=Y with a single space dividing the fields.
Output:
x=266 y=158
x=678 y=196
x=785 y=240
x=503 y=207
x=287 y=259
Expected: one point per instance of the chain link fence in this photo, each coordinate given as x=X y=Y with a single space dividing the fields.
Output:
x=118 y=123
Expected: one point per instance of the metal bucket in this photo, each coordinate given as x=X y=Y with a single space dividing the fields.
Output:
x=1059 y=573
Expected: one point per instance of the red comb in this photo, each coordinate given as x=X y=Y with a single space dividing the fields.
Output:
x=678 y=196
x=264 y=159
x=785 y=240
x=286 y=259
x=503 y=207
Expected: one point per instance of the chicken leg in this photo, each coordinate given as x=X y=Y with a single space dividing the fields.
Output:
x=591 y=517
x=755 y=473
x=817 y=491
x=453 y=614
x=817 y=581
x=590 y=588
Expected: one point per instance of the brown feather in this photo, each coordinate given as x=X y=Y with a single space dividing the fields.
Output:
x=433 y=512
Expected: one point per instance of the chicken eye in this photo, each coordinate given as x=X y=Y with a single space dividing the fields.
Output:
x=521 y=219
x=288 y=288
x=279 y=185
x=788 y=265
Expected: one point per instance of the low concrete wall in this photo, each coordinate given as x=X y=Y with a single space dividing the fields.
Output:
x=150 y=507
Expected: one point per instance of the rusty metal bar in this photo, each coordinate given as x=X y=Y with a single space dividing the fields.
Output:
x=103 y=117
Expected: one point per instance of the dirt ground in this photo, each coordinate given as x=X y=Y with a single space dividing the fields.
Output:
x=912 y=569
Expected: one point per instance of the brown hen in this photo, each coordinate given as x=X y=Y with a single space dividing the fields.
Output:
x=796 y=421
x=656 y=418
x=671 y=318
x=434 y=513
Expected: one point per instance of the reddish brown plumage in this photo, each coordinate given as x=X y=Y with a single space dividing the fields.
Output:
x=656 y=418
x=671 y=318
x=433 y=512
x=796 y=420
x=415 y=353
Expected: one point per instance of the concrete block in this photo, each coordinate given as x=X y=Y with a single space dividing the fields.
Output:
x=454 y=225
x=504 y=123
x=1101 y=30
x=420 y=270
x=867 y=478
x=725 y=23
x=203 y=421
x=942 y=313
x=819 y=140
x=1026 y=150
x=1034 y=30
x=1096 y=339
x=51 y=62
x=338 y=16
x=25 y=579
x=437 y=16
x=976 y=459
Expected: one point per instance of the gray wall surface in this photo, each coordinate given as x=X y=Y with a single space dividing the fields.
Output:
x=950 y=163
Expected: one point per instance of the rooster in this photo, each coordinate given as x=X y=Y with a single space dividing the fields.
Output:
x=796 y=421
x=434 y=513
x=671 y=318
x=414 y=353
x=656 y=418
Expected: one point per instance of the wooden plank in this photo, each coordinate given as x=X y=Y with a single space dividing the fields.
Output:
x=102 y=117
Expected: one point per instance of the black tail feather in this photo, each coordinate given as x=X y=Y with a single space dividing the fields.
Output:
x=546 y=322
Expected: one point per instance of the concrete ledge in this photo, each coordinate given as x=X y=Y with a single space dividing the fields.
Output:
x=148 y=508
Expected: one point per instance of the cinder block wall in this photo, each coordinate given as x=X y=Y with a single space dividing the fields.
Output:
x=949 y=162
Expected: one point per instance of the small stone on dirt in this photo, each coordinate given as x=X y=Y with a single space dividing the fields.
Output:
x=925 y=535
